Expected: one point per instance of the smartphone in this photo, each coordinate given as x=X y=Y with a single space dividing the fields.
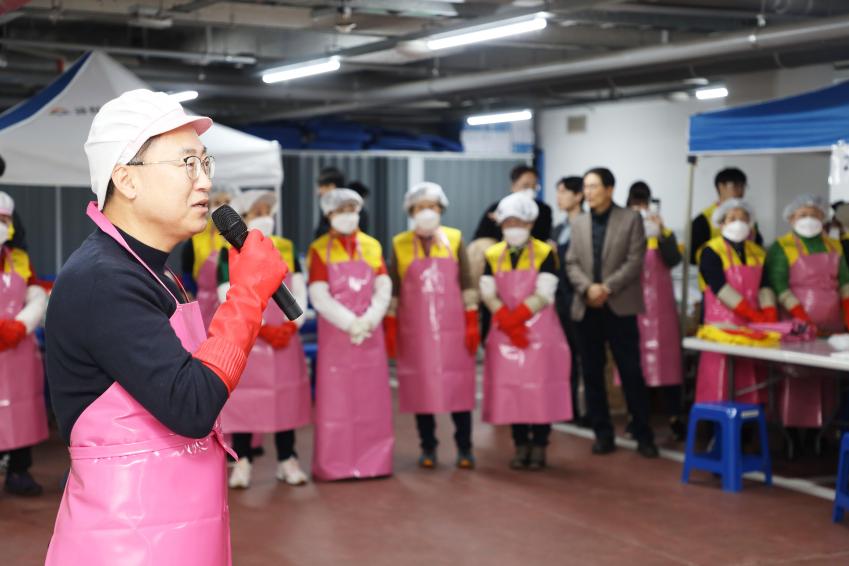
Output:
x=654 y=206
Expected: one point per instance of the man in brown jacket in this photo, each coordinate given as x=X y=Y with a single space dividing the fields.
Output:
x=605 y=264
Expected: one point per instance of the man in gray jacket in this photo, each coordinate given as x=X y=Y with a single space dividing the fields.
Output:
x=605 y=264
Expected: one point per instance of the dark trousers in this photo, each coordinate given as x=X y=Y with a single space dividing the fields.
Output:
x=534 y=435
x=284 y=442
x=426 y=424
x=570 y=329
x=20 y=459
x=602 y=326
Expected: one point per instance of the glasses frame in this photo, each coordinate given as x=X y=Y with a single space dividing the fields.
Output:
x=207 y=165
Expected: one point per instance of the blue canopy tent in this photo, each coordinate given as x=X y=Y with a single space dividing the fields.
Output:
x=806 y=123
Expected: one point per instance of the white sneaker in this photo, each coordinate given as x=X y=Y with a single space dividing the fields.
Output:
x=240 y=477
x=290 y=472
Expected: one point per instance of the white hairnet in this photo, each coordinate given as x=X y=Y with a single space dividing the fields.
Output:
x=337 y=198
x=517 y=205
x=425 y=191
x=7 y=204
x=801 y=201
x=243 y=202
x=723 y=209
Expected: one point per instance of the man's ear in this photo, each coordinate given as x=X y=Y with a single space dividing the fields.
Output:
x=124 y=182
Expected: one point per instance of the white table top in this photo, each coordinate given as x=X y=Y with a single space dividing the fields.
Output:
x=815 y=354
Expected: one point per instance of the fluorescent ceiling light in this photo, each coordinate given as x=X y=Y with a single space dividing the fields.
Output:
x=711 y=93
x=497 y=30
x=483 y=119
x=184 y=96
x=309 y=69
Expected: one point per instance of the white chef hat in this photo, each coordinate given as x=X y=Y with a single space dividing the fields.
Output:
x=801 y=201
x=7 y=204
x=335 y=199
x=723 y=209
x=124 y=124
x=244 y=201
x=425 y=191
x=516 y=205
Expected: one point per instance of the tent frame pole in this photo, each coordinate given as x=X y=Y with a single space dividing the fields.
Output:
x=688 y=234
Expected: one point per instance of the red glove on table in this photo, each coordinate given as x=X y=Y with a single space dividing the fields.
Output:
x=256 y=271
x=390 y=333
x=771 y=314
x=798 y=312
x=11 y=333
x=473 y=332
x=747 y=311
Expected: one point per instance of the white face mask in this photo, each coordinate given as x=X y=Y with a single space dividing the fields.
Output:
x=4 y=233
x=736 y=231
x=652 y=228
x=265 y=224
x=808 y=227
x=426 y=221
x=346 y=222
x=516 y=237
x=530 y=193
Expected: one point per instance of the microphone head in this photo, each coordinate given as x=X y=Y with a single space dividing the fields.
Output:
x=228 y=222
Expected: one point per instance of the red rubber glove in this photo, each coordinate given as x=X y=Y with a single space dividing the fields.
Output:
x=519 y=337
x=473 y=332
x=798 y=312
x=501 y=318
x=278 y=336
x=745 y=310
x=519 y=316
x=390 y=333
x=846 y=312
x=12 y=332
x=771 y=314
x=256 y=271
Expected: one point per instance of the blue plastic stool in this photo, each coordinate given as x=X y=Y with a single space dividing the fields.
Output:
x=841 y=490
x=727 y=458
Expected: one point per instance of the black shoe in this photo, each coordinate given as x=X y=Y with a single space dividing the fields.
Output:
x=522 y=458
x=22 y=485
x=678 y=428
x=536 y=461
x=427 y=460
x=603 y=446
x=630 y=430
x=648 y=450
x=466 y=460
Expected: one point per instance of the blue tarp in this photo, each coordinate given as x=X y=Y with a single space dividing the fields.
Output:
x=807 y=122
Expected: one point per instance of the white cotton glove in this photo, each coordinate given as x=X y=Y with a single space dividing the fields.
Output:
x=360 y=330
x=35 y=305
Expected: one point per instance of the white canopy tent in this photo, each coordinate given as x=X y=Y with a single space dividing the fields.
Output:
x=41 y=139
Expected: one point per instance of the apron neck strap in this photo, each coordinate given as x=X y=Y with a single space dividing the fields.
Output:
x=530 y=247
x=357 y=251
x=438 y=238
x=104 y=224
x=732 y=253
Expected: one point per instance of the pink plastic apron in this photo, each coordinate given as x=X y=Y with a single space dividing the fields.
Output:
x=660 y=337
x=274 y=392
x=23 y=415
x=807 y=397
x=436 y=373
x=530 y=385
x=712 y=379
x=138 y=494
x=207 y=282
x=353 y=408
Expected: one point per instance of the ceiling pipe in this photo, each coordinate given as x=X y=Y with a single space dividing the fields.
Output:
x=763 y=39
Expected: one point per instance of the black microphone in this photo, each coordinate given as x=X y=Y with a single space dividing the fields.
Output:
x=235 y=231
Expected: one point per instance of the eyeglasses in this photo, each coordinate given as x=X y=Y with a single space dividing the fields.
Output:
x=193 y=164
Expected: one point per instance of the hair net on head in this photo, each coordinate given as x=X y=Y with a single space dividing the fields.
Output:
x=723 y=209
x=425 y=191
x=337 y=198
x=247 y=199
x=802 y=201
x=7 y=204
x=516 y=205
x=229 y=189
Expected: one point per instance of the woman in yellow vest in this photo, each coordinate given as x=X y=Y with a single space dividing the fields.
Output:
x=528 y=362
x=436 y=331
x=351 y=291
x=23 y=415
x=200 y=257
x=732 y=266
x=274 y=394
x=808 y=272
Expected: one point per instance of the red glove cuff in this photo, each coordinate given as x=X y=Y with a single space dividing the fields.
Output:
x=223 y=357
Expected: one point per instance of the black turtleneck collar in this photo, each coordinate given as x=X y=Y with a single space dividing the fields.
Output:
x=603 y=216
x=154 y=258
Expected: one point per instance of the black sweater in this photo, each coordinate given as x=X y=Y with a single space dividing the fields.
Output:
x=108 y=320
